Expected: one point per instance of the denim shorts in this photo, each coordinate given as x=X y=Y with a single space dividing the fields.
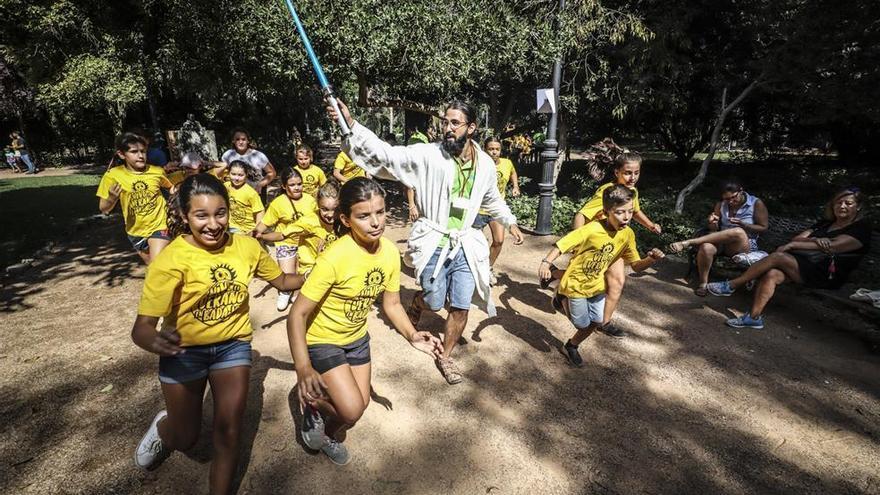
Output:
x=586 y=310
x=481 y=221
x=285 y=252
x=454 y=282
x=199 y=360
x=753 y=245
x=325 y=357
x=140 y=243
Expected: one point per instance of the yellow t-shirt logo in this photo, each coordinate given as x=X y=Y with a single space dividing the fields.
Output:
x=602 y=258
x=142 y=200
x=223 y=298
x=357 y=308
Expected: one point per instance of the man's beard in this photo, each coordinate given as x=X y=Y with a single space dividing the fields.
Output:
x=456 y=146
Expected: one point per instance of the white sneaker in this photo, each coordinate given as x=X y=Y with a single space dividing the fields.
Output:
x=150 y=452
x=283 y=300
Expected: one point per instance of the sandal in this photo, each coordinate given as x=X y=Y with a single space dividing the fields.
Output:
x=449 y=370
x=414 y=312
x=701 y=291
x=677 y=247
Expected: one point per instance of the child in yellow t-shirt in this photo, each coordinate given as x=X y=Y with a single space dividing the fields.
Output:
x=595 y=247
x=137 y=186
x=199 y=286
x=327 y=326
x=314 y=233
x=312 y=175
x=245 y=206
x=506 y=173
x=345 y=169
x=627 y=169
x=283 y=211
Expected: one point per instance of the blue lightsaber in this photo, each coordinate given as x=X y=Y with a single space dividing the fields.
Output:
x=319 y=71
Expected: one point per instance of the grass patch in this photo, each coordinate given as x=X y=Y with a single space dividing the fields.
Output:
x=37 y=210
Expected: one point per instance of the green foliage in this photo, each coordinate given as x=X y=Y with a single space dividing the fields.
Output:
x=525 y=208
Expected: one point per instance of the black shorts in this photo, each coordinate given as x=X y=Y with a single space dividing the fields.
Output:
x=325 y=357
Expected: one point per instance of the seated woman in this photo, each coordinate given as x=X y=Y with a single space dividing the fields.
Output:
x=820 y=257
x=734 y=226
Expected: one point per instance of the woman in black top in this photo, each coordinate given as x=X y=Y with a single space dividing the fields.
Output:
x=821 y=257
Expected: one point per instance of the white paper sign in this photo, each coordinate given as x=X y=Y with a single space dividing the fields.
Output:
x=546 y=100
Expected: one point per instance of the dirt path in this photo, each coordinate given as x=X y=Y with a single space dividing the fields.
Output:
x=683 y=405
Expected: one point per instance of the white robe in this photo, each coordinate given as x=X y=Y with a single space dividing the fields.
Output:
x=431 y=172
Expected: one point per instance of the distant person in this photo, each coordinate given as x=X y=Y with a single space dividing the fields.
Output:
x=595 y=247
x=137 y=186
x=245 y=207
x=506 y=174
x=345 y=169
x=12 y=160
x=156 y=154
x=735 y=224
x=198 y=287
x=20 y=148
x=312 y=175
x=821 y=257
x=261 y=171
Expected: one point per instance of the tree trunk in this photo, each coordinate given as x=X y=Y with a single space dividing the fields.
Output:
x=713 y=143
x=367 y=100
x=562 y=140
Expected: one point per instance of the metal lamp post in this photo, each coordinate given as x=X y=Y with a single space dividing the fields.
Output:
x=549 y=156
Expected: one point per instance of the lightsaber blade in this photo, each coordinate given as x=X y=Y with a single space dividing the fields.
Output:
x=319 y=71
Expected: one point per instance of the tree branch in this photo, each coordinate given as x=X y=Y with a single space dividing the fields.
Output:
x=366 y=100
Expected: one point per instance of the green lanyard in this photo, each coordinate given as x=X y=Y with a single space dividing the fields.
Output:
x=461 y=178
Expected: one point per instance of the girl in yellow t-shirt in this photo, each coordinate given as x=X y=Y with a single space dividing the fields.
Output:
x=312 y=175
x=137 y=186
x=199 y=286
x=313 y=233
x=283 y=211
x=327 y=326
x=506 y=173
x=627 y=169
x=246 y=208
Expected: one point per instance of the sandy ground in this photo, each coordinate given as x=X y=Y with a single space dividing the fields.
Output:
x=682 y=405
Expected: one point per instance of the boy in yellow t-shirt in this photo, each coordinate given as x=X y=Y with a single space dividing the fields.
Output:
x=281 y=214
x=344 y=169
x=327 y=326
x=595 y=246
x=199 y=286
x=245 y=206
x=312 y=175
x=137 y=186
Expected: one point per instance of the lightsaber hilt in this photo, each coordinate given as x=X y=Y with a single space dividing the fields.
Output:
x=319 y=71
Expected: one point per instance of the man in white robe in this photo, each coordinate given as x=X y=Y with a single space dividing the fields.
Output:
x=453 y=180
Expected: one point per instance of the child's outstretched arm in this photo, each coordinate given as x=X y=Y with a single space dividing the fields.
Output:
x=646 y=222
x=653 y=256
x=144 y=335
x=288 y=281
x=545 y=270
x=422 y=341
x=311 y=385
x=107 y=204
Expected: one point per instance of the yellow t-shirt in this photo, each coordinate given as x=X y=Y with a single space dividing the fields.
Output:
x=283 y=212
x=244 y=203
x=593 y=209
x=313 y=178
x=176 y=177
x=314 y=237
x=204 y=294
x=594 y=250
x=347 y=167
x=345 y=282
x=503 y=169
x=143 y=207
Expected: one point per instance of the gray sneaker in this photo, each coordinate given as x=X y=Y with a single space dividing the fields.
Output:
x=313 y=428
x=337 y=452
x=150 y=452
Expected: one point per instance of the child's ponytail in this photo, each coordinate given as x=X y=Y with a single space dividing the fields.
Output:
x=603 y=157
